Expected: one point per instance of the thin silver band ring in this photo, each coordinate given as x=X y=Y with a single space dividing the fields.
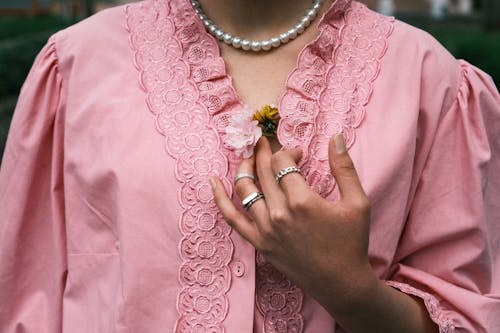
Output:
x=251 y=199
x=283 y=172
x=242 y=175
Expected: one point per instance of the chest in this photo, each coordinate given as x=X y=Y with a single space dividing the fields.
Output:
x=260 y=78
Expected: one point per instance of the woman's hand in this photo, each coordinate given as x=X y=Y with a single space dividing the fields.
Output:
x=319 y=244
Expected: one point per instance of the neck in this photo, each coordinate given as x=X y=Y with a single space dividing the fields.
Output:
x=256 y=19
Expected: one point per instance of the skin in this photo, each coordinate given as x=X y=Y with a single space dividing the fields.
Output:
x=322 y=246
x=259 y=78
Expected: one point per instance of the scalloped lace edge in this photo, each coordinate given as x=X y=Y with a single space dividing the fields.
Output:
x=205 y=247
x=431 y=303
x=347 y=80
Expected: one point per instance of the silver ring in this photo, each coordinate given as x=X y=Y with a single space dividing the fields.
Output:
x=251 y=199
x=283 y=172
x=242 y=175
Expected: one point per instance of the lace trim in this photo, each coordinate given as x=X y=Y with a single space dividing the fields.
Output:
x=357 y=47
x=187 y=88
x=173 y=72
x=325 y=99
x=278 y=300
x=431 y=303
x=220 y=99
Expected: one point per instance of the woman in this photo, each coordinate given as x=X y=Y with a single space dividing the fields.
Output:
x=116 y=181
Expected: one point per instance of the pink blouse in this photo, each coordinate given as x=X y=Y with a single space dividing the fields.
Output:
x=107 y=222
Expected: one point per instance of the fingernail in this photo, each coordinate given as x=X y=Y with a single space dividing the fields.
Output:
x=212 y=183
x=339 y=143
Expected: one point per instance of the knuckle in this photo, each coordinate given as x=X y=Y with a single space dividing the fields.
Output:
x=264 y=243
x=363 y=205
x=356 y=210
x=278 y=156
x=346 y=213
x=299 y=203
x=267 y=234
x=240 y=187
x=278 y=215
x=360 y=208
x=344 y=165
x=263 y=247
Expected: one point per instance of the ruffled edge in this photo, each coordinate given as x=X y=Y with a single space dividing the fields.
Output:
x=333 y=82
x=431 y=303
x=168 y=54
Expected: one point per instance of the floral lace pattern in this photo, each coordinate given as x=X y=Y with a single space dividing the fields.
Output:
x=330 y=88
x=188 y=90
x=325 y=94
x=431 y=303
x=278 y=300
x=171 y=54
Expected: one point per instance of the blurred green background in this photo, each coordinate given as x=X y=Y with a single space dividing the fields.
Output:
x=24 y=31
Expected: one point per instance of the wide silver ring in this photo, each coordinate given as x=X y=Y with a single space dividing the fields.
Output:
x=251 y=199
x=242 y=175
x=283 y=172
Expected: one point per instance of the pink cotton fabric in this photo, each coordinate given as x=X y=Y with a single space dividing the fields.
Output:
x=106 y=220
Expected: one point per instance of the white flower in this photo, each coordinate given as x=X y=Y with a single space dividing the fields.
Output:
x=243 y=132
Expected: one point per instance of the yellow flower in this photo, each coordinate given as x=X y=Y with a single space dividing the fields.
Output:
x=268 y=117
x=267 y=112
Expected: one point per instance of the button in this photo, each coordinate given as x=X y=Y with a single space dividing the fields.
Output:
x=238 y=268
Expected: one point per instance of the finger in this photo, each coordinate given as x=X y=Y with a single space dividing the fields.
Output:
x=236 y=219
x=293 y=184
x=343 y=169
x=246 y=166
x=275 y=198
x=246 y=186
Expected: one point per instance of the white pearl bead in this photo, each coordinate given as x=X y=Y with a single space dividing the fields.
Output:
x=299 y=28
x=292 y=33
x=284 y=38
x=236 y=42
x=255 y=45
x=227 y=38
x=212 y=28
x=245 y=44
x=219 y=34
x=266 y=45
x=305 y=22
x=275 y=42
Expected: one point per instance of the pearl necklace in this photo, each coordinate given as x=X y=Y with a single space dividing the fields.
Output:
x=255 y=45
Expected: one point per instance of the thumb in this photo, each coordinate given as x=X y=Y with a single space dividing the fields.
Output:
x=343 y=169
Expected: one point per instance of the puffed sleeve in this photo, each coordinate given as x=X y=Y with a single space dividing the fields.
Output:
x=32 y=232
x=449 y=254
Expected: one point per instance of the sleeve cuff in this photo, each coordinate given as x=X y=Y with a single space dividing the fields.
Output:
x=431 y=303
